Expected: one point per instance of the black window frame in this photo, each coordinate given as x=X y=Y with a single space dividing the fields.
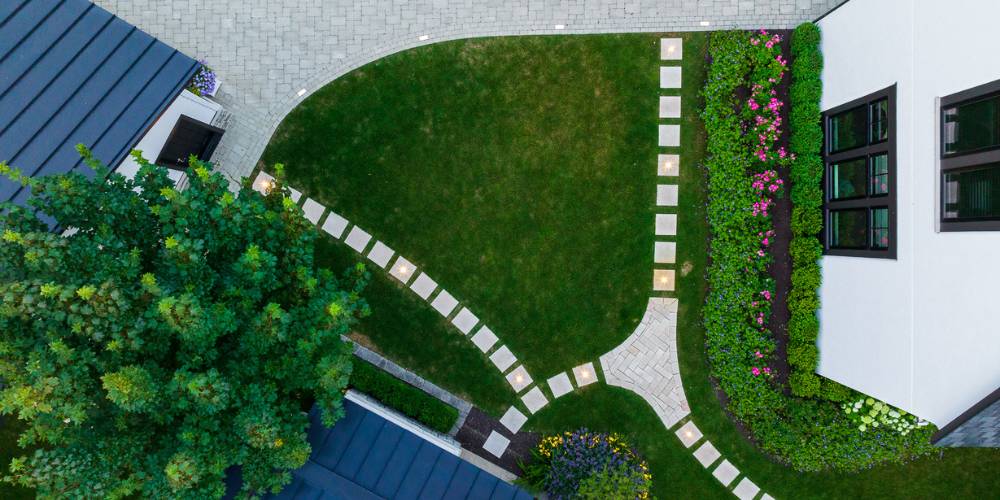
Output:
x=954 y=162
x=869 y=201
x=206 y=150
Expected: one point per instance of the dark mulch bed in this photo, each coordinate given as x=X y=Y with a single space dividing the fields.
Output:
x=477 y=428
x=781 y=268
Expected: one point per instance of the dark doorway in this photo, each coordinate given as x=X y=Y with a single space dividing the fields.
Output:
x=189 y=137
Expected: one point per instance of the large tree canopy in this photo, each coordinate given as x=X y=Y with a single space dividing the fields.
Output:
x=172 y=335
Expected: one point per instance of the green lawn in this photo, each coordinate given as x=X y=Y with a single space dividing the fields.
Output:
x=519 y=173
x=534 y=208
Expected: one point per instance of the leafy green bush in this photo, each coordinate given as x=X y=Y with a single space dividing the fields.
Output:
x=806 y=142
x=171 y=336
x=809 y=434
x=403 y=397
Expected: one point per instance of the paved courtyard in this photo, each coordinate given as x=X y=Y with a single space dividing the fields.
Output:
x=272 y=53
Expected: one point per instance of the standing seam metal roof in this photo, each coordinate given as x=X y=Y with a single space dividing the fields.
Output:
x=366 y=457
x=70 y=73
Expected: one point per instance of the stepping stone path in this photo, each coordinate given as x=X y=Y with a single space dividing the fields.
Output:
x=726 y=473
x=380 y=254
x=496 y=444
x=646 y=363
x=513 y=419
x=444 y=303
x=313 y=210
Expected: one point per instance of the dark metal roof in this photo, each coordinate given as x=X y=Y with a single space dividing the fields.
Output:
x=70 y=73
x=365 y=456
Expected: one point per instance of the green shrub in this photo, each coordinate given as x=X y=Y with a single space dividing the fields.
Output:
x=403 y=397
x=805 y=384
x=803 y=356
x=834 y=391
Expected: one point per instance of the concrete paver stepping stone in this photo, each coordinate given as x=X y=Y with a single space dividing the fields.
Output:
x=664 y=252
x=560 y=385
x=263 y=183
x=358 y=239
x=465 y=321
x=671 y=49
x=666 y=225
x=666 y=195
x=484 y=339
x=423 y=286
x=503 y=358
x=668 y=165
x=766 y=497
x=403 y=270
x=519 y=379
x=689 y=434
x=663 y=280
x=585 y=374
x=670 y=77
x=380 y=254
x=669 y=136
x=726 y=473
x=312 y=210
x=534 y=399
x=670 y=106
x=296 y=195
x=707 y=454
x=444 y=303
x=496 y=444
x=335 y=225
x=746 y=490
x=513 y=419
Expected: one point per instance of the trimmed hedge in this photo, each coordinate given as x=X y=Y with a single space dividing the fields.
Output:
x=403 y=397
x=807 y=433
x=806 y=142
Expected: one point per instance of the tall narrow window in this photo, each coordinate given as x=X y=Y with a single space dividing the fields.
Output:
x=970 y=160
x=860 y=201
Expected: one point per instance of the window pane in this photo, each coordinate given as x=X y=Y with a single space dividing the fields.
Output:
x=849 y=129
x=849 y=228
x=848 y=179
x=880 y=174
x=880 y=120
x=972 y=126
x=880 y=228
x=972 y=193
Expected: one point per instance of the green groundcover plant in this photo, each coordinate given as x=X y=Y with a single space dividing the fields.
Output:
x=810 y=434
x=585 y=464
x=168 y=336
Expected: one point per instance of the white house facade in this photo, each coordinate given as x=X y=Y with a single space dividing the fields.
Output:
x=911 y=274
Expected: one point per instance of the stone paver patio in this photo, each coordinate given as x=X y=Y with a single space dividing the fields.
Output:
x=272 y=54
x=646 y=363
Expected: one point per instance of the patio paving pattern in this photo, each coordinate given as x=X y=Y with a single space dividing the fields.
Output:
x=270 y=55
x=646 y=363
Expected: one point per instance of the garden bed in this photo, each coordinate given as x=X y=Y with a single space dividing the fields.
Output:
x=746 y=156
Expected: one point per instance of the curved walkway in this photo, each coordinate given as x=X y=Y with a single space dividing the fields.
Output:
x=272 y=53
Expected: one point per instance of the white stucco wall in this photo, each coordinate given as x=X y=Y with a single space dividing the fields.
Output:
x=922 y=331
x=152 y=142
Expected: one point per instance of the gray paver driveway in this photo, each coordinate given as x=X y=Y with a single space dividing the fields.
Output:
x=267 y=51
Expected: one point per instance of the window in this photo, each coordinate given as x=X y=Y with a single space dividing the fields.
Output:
x=189 y=137
x=970 y=159
x=860 y=192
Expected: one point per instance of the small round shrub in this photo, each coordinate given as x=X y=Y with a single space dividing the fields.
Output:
x=585 y=464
